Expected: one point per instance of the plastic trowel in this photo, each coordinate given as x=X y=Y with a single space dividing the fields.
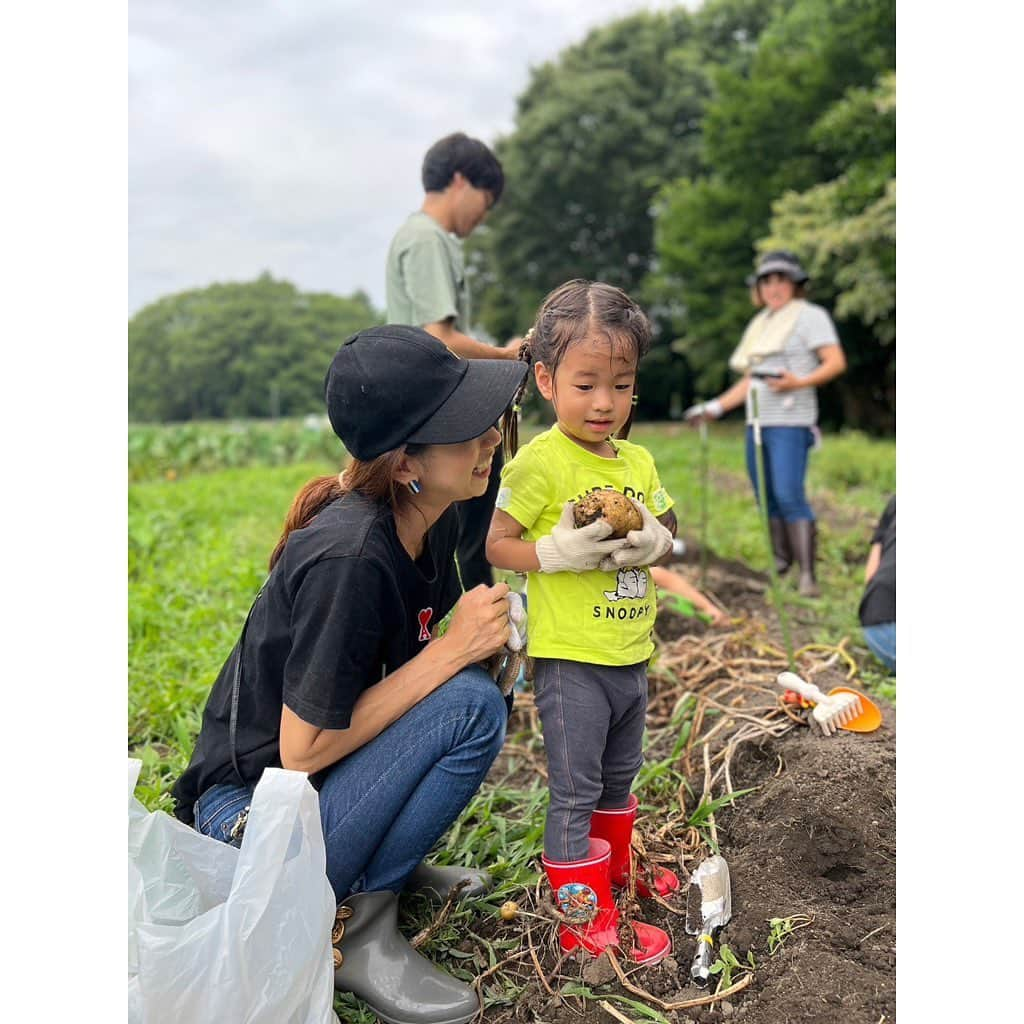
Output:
x=712 y=881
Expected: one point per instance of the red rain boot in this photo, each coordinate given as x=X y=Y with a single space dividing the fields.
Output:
x=583 y=893
x=616 y=826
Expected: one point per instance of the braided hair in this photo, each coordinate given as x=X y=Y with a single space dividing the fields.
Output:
x=566 y=316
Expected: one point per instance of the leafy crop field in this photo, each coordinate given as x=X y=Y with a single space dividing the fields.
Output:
x=167 y=451
x=207 y=501
x=205 y=508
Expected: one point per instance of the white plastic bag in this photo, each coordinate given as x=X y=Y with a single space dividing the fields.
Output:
x=217 y=933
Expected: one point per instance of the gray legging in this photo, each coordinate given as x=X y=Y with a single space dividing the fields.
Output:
x=593 y=720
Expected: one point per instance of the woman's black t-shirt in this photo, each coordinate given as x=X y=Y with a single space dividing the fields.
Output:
x=344 y=606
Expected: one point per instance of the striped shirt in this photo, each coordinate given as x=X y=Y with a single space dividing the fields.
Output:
x=798 y=408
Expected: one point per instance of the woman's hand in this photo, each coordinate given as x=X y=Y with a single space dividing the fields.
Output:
x=733 y=398
x=786 y=381
x=703 y=412
x=478 y=629
x=480 y=626
x=831 y=363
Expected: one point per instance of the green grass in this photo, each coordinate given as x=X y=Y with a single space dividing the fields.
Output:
x=205 y=508
x=174 y=449
x=197 y=554
x=198 y=547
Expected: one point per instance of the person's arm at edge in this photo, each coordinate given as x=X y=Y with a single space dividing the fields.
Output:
x=874 y=559
x=677 y=584
x=466 y=347
x=478 y=629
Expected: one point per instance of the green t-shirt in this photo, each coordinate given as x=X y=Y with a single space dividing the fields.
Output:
x=425 y=275
x=602 y=618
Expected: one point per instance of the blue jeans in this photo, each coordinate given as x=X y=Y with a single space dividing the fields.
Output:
x=384 y=806
x=881 y=638
x=785 y=456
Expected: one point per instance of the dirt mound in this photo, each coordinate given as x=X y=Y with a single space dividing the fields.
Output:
x=811 y=850
x=816 y=839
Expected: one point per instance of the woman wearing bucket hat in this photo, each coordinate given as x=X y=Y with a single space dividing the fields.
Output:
x=788 y=349
x=338 y=673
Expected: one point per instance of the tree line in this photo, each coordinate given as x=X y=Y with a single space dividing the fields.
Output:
x=252 y=349
x=662 y=154
x=667 y=149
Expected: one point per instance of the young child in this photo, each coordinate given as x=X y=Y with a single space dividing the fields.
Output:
x=592 y=603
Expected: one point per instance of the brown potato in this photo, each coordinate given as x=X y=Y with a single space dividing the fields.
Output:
x=616 y=508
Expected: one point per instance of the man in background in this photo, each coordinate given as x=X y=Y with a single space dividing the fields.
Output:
x=426 y=287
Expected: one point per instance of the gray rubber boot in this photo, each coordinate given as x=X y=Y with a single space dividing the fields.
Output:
x=803 y=539
x=436 y=882
x=375 y=962
x=780 y=545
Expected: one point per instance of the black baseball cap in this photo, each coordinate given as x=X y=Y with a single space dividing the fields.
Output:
x=394 y=385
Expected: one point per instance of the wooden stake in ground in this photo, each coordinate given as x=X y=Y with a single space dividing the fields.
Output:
x=703 y=503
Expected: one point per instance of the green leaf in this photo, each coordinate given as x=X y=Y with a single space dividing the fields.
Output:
x=704 y=810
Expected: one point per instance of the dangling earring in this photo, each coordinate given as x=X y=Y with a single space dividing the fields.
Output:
x=636 y=398
x=414 y=486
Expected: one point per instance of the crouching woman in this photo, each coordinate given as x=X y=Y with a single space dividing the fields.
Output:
x=336 y=673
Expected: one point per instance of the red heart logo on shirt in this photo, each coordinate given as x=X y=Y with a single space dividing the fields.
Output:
x=424 y=617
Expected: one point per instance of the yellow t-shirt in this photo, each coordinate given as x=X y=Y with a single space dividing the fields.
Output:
x=604 y=618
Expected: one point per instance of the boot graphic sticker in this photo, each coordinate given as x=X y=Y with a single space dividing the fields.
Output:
x=578 y=902
x=630 y=585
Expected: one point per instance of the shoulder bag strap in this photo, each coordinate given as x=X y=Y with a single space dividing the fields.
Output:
x=236 y=687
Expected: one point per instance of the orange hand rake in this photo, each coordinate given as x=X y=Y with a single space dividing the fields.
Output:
x=841 y=708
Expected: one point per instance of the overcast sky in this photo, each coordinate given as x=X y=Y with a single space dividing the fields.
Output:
x=288 y=136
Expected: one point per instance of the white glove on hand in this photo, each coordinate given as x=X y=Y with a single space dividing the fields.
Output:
x=644 y=546
x=711 y=410
x=516 y=622
x=567 y=549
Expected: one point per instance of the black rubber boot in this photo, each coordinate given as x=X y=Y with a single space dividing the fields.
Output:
x=375 y=962
x=803 y=540
x=435 y=882
x=780 y=545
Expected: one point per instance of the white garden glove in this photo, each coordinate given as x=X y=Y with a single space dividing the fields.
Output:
x=516 y=622
x=711 y=410
x=505 y=666
x=644 y=546
x=567 y=549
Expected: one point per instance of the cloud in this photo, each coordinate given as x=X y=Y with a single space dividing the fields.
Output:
x=288 y=137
